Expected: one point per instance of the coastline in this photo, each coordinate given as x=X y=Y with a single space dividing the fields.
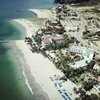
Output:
x=38 y=70
x=32 y=66
x=29 y=79
x=25 y=24
x=33 y=86
x=34 y=78
x=43 y=13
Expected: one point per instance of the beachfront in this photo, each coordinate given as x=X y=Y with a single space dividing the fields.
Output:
x=45 y=74
x=43 y=13
x=42 y=69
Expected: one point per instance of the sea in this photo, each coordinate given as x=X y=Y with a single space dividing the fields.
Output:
x=12 y=81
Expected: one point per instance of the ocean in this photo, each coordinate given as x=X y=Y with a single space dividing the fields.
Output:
x=12 y=81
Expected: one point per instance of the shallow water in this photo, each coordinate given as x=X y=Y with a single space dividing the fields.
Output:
x=12 y=82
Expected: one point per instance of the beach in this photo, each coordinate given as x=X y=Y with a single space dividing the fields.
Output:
x=41 y=69
x=38 y=70
x=43 y=13
x=28 y=26
x=17 y=82
x=36 y=67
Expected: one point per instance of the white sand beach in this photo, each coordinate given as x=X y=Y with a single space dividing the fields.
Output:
x=43 y=13
x=28 y=25
x=42 y=69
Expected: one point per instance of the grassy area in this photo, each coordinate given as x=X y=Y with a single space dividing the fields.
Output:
x=98 y=14
x=80 y=81
x=96 y=43
x=37 y=19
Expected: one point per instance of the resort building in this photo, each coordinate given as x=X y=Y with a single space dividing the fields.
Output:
x=87 y=53
x=78 y=64
x=47 y=40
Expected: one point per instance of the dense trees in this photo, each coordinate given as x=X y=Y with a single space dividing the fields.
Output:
x=88 y=85
x=72 y=1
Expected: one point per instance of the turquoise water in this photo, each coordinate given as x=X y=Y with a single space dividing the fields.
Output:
x=9 y=31
x=11 y=87
x=12 y=82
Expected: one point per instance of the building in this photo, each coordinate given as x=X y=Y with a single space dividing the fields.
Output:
x=47 y=40
x=87 y=53
x=78 y=64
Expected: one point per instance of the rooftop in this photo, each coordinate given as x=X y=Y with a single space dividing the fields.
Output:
x=79 y=64
x=48 y=39
x=85 y=51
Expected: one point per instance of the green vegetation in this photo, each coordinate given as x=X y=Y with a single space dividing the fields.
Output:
x=88 y=3
x=88 y=85
x=88 y=34
x=37 y=19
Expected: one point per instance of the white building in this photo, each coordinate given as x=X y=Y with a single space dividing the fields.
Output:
x=87 y=53
x=79 y=64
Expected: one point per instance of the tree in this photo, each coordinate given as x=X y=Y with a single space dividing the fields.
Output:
x=75 y=90
x=60 y=1
x=95 y=97
x=63 y=78
x=82 y=93
x=91 y=64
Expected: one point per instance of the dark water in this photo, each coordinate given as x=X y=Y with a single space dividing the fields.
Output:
x=18 y=8
x=11 y=87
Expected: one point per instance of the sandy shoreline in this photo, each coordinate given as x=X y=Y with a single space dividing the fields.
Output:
x=43 y=13
x=36 y=69
x=33 y=71
x=30 y=28
x=37 y=72
x=30 y=81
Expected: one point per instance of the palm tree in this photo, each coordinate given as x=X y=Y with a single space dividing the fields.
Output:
x=82 y=93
